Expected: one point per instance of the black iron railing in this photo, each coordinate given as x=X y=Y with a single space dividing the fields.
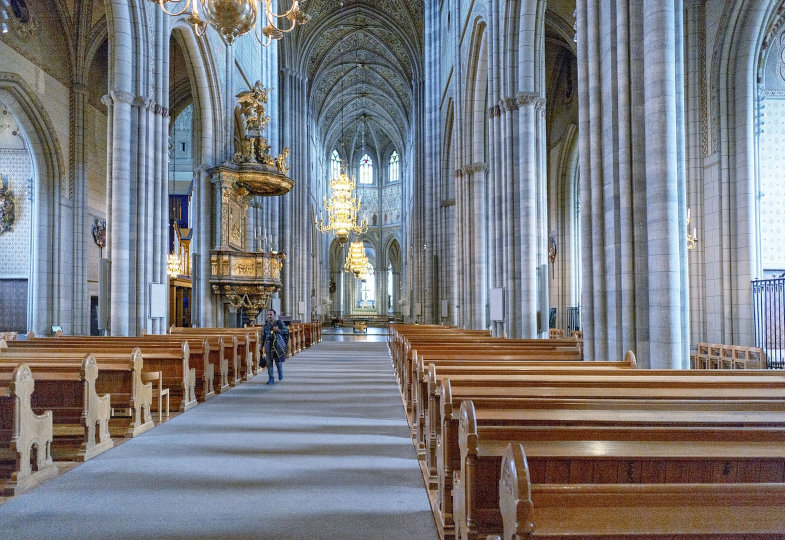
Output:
x=573 y=319
x=768 y=299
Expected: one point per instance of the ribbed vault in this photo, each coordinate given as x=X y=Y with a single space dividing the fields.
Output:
x=361 y=59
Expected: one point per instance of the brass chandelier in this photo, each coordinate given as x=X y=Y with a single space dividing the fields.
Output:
x=342 y=210
x=234 y=18
x=356 y=261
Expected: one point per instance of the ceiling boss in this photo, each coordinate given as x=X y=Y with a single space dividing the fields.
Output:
x=234 y=18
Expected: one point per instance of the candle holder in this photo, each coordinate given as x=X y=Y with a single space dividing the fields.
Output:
x=692 y=239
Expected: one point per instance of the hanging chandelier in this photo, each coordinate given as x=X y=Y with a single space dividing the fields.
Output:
x=356 y=261
x=342 y=210
x=234 y=18
x=173 y=265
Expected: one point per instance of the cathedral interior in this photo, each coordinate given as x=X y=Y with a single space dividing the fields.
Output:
x=517 y=165
x=519 y=266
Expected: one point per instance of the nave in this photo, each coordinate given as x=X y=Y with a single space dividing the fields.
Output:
x=326 y=453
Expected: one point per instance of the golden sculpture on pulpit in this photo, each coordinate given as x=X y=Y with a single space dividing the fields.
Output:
x=243 y=278
x=257 y=169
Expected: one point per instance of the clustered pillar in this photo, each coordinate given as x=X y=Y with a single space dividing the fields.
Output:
x=632 y=183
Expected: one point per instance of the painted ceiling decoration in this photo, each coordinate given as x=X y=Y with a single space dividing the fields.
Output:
x=361 y=60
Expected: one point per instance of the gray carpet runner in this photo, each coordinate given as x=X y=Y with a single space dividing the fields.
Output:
x=326 y=453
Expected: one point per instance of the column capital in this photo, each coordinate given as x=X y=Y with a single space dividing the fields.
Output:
x=507 y=104
x=162 y=111
x=474 y=168
x=144 y=103
x=530 y=98
x=121 y=96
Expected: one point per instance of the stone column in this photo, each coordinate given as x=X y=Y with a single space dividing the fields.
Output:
x=528 y=167
x=508 y=141
x=140 y=250
x=632 y=209
x=664 y=186
x=79 y=320
x=119 y=200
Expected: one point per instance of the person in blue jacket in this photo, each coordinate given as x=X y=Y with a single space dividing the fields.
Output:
x=275 y=337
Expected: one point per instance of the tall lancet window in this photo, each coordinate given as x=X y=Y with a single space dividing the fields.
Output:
x=395 y=167
x=335 y=164
x=366 y=169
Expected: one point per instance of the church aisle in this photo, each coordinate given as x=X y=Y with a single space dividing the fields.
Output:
x=326 y=453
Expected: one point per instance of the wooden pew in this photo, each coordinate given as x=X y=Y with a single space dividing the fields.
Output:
x=424 y=391
x=80 y=415
x=478 y=353
x=171 y=357
x=633 y=458
x=247 y=353
x=479 y=347
x=652 y=511
x=223 y=356
x=423 y=399
x=119 y=375
x=25 y=437
x=426 y=406
x=631 y=455
x=509 y=394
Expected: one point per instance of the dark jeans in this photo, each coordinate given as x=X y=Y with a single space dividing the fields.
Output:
x=270 y=363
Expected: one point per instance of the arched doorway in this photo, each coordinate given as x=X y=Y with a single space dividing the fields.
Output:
x=770 y=131
x=16 y=182
x=393 y=279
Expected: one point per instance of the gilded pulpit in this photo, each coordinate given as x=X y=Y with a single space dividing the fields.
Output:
x=245 y=278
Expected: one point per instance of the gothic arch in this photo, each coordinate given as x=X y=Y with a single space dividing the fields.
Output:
x=209 y=119
x=741 y=34
x=567 y=227
x=50 y=186
x=477 y=93
x=204 y=81
x=392 y=257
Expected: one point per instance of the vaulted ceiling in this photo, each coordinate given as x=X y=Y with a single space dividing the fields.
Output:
x=361 y=59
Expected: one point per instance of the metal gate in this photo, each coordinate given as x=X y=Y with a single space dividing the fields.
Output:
x=768 y=299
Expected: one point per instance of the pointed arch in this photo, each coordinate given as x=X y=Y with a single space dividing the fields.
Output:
x=477 y=93
x=49 y=186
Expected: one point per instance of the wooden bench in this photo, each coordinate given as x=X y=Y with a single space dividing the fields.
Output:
x=25 y=437
x=424 y=394
x=9 y=336
x=470 y=345
x=627 y=456
x=156 y=379
x=426 y=406
x=624 y=510
x=119 y=375
x=169 y=356
x=479 y=353
x=718 y=356
x=446 y=434
x=313 y=333
x=247 y=350
x=80 y=415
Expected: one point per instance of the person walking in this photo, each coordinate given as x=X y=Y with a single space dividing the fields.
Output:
x=275 y=336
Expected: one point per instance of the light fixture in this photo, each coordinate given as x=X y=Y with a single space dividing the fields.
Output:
x=342 y=210
x=174 y=266
x=356 y=261
x=692 y=239
x=234 y=18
